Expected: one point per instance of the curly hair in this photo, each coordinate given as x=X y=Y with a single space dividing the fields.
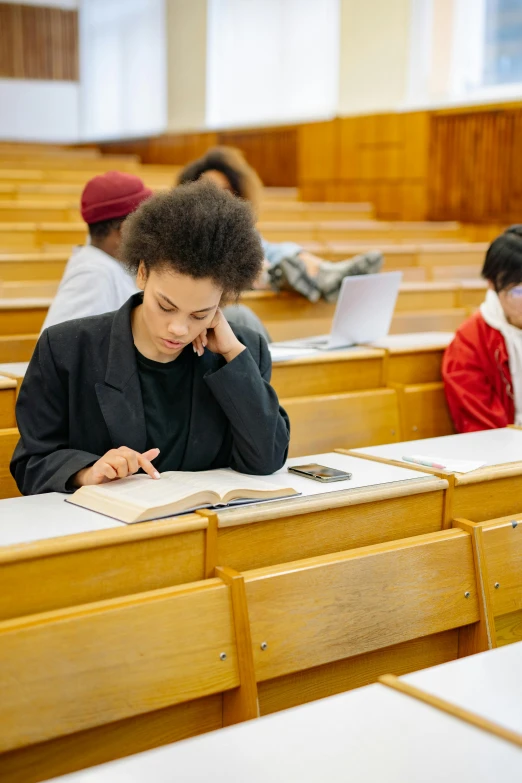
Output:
x=196 y=230
x=242 y=178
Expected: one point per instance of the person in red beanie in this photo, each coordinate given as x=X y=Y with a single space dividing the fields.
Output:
x=94 y=280
x=482 y=367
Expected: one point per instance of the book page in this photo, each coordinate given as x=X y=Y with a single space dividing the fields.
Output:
x=220 y=481
x=145 y=492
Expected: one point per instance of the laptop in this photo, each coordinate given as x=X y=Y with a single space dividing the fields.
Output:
x=363 y=313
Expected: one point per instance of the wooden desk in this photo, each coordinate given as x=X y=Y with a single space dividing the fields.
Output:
x=414 y=358
x=368 y=735
x=7 y=402
x=487 y=684
x=53 y=554
x=492 y=491
x=499 y=548
x=14 y=370
x=329 y=372
x=22 y=316
x=32 y=266
x=17 y=348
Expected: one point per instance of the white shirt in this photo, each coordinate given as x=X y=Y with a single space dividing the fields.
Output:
x=93 y=283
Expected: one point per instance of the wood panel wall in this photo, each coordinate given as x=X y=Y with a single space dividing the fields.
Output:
x=38 y=42
x=271 y=151
x=380 y=158
x=474 y=165
x=462 y=164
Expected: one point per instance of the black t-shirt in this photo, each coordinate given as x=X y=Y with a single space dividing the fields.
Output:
x=166 y=390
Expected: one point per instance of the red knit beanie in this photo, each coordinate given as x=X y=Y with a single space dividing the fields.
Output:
x=112 y=195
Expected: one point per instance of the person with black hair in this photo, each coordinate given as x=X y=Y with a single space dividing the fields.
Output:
x=165 y=378
x=287 y=264
x=94 y=280
x=482 y=367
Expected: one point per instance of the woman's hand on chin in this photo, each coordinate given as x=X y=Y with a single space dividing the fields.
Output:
x=117 y=463
x=219 y=338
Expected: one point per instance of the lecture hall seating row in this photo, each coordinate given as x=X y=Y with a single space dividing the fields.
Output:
x=289 y=315
x=247 y=643
x=32 y=205
x=353 y=398
x=418 y=263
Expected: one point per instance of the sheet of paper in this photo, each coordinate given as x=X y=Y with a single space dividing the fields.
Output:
x=444 y=463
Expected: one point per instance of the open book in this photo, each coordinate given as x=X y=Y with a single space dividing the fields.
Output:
x=138 y=498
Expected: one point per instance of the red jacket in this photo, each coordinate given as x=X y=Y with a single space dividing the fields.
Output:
x=477 y=378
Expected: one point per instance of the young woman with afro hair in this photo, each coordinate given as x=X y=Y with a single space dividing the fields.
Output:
x=163 y=383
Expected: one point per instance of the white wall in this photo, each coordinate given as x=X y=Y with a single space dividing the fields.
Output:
x=271 y=61
x=37 y=110
x=375 y=46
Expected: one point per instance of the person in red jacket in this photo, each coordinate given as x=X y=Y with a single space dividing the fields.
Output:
x=482 y=367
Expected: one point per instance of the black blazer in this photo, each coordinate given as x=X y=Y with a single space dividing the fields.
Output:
x=81 y=397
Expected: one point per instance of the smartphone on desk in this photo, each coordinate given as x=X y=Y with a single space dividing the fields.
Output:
x=320 y=473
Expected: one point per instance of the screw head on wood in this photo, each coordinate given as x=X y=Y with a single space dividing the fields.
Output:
x=497 y=585
x=263 y=645
x=223 y=657
x=467 y=594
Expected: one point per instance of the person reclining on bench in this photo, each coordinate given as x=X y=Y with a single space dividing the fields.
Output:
x=287 y=264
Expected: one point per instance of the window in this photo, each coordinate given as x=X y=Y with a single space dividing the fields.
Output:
x=271 y=61
x=465 y=51
x=122 y=68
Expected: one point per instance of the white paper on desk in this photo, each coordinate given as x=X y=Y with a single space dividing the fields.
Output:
x=451 y=465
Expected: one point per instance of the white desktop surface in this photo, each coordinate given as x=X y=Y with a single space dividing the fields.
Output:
x=414 y=340
x=369 y=735
x=493 y=447
x=14 y=368
x=35 y=517
x=488 y=684
x=364 y=474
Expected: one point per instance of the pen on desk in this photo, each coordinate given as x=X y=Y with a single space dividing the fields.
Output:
x=425 y=463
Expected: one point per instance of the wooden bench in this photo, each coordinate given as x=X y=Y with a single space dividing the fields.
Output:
x=328 y=624
x=318 y=211
x=323 y=421
x=329 y=373
x=423 y=411
x=94 y=683
x=23 y=267
x=8 y=440
x=362 y=231
x=22 y=316
x=32 y=237
x=17 y=347
x=414 y=358
x=38 y=211
x=431 y=259
x=7 y=402
x=499 y=548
